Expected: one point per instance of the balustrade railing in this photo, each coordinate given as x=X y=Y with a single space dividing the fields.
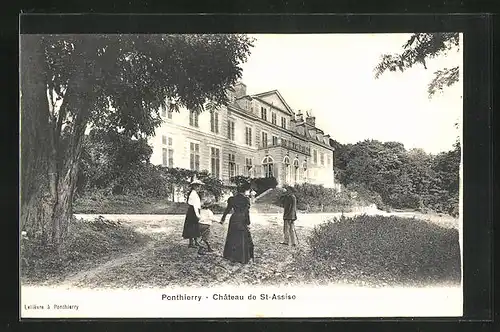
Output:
x=289 y=145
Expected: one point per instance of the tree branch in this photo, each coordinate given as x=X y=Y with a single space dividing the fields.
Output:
x=443 y=78
x=417 y=49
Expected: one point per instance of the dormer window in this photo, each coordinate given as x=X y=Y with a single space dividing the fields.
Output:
x=263 y=113
x=283 y=122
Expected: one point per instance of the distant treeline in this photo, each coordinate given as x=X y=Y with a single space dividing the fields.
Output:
x=404 y=179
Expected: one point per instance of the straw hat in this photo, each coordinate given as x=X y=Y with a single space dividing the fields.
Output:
x=196 y=181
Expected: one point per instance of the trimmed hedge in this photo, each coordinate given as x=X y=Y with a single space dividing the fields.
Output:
x=384 y=250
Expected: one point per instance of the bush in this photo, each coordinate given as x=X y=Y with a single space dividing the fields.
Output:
x=258 y=184
x=86 y=241
x=151 y=181
x=385 y=249
x=240 y=179
x=262 y=184
x=146 y=180
x=446 y=203
x=98 y=203
x=364 y=196
x=316 y=198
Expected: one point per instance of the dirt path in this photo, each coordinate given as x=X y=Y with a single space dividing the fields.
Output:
x=81 y=278
x=305 y=220
x=166 y=259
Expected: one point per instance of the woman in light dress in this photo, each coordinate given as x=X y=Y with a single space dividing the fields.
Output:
x=191 y=229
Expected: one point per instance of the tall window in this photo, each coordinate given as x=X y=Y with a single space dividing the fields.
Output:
x=273 y=118
x=315 y=156
x=248 y=136
x=168 y=151
x=295 y=170
x=284 y=142
x=329 y=161
x=264 y=139
x=322 y=159
x=214 y=122
x=286 y=166
x=248 y=166
x=275 y=140
x=215 y=162
x=263 y=113
x=283 y=122
x=304 y=171
x=194 y=156
x=268 y=166
x=232 y=165
x=193 y=118
x=230 y=130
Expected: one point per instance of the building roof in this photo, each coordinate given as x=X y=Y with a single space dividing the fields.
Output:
x=262 y=95
x=287 y=109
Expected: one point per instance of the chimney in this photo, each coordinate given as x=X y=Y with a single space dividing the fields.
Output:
x=326 y=139
x=240 y=90
x=300 y=117
x=311 y=120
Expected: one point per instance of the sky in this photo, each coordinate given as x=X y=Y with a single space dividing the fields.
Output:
x=331 y=75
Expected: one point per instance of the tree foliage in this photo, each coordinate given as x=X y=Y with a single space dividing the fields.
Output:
x=403 y=179
x=108 y=156
x=417 y=50
x=110 y=82
x=115 y=164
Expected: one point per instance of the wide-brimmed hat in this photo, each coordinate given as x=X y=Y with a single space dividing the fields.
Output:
x=196 y=181
x=244 y=186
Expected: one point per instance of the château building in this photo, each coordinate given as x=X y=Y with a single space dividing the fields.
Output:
x=255 y=135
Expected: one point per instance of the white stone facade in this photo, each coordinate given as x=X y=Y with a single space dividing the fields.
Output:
x=257 y=136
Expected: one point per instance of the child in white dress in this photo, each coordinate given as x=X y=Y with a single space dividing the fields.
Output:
x=207 y=218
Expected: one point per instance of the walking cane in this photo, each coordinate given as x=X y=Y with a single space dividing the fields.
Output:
x=295 y=231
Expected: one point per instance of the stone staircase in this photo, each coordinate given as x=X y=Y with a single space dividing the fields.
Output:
x=266 y=202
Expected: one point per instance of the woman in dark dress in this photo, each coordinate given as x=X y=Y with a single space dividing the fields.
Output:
x=239 y=244
x=191 y=229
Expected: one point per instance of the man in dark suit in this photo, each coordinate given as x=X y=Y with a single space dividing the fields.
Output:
x=289 y=202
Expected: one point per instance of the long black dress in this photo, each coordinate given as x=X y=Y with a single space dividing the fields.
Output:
x=191 y=226
x=239 y=244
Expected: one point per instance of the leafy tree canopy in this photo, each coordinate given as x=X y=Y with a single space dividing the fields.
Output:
x=113 y=83
x=403 y=179
x=133 y=76
x=417 y=50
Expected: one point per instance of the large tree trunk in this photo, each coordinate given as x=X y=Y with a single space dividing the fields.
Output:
x=50 y=153
x=63 y=209
x=34 y=140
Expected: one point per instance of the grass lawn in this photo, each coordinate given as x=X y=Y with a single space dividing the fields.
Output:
x=89 y=243
x=124 y=204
